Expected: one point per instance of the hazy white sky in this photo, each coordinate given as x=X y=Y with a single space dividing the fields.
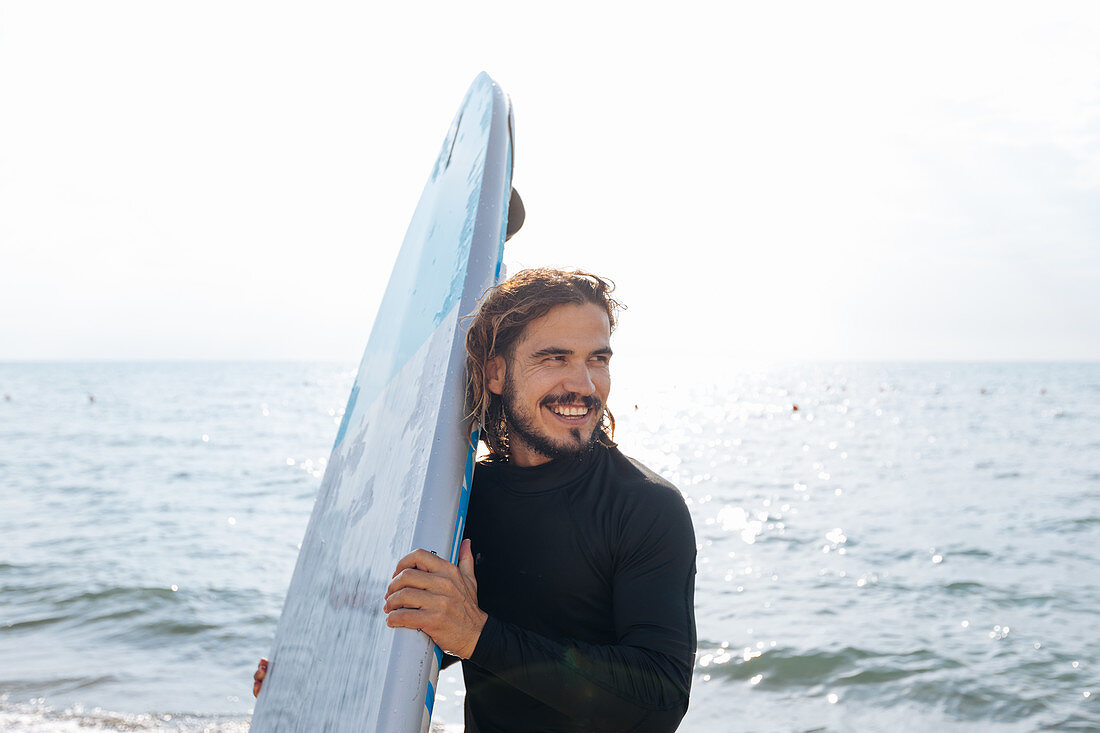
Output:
x=233 y=179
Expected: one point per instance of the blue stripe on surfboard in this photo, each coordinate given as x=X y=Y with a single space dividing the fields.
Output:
x=464 y=495
x=347 y=414
x=429 y=696
x=456 y=543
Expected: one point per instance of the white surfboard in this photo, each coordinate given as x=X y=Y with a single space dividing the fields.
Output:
x=400 y=470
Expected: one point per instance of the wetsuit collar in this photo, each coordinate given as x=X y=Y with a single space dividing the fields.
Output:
x=551 y=475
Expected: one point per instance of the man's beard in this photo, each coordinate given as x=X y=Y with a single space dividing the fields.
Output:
x=521 y=425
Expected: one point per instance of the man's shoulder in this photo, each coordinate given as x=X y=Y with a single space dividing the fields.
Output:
x=652 y=514
x=637 y=481
x=634 y=470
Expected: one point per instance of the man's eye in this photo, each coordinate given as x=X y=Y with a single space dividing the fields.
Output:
x=602 y=359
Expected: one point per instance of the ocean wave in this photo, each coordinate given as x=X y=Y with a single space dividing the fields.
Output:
x=133 y=614
x=56 y=685
x=23 y=718
x=786 y=667
x=1075 y=524
x=1009 y=596
x=891 y=681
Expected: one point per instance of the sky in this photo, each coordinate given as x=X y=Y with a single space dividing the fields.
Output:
x=232 y=180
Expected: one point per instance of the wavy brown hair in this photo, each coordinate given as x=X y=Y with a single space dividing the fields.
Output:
x=498 y=326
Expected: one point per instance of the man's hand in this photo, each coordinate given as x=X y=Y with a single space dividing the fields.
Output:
x=440 y=599
x=261 y=672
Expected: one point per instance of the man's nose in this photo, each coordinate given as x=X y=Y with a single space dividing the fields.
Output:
x=579 y=380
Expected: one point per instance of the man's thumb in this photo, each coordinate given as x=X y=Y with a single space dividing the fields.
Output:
x=466 y=559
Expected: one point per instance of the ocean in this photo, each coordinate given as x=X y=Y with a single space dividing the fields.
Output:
x=882 y=546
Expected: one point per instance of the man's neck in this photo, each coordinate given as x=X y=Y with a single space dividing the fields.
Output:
x=524 y=456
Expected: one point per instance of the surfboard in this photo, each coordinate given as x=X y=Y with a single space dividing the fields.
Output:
x=401 y=467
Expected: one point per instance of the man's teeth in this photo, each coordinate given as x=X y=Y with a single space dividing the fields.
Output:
x=567 y=411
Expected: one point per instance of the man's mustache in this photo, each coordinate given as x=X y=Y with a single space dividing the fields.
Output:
x=572 y=398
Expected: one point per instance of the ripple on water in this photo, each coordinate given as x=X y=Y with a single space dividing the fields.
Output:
x=979 y=699
x=920 y=677
x=1002 y=597
x=1071 y=525
x=59 y=685
x=787 y=667
x=40 y=718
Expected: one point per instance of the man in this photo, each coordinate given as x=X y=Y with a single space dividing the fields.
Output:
x=571 y=606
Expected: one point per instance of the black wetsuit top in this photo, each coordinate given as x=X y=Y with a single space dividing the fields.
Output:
x=586 y=568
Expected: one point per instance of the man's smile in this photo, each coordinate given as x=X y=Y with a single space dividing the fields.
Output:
x=572 y=409
x=570 y=414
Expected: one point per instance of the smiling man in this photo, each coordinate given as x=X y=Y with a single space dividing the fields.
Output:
x=572 y=602
x=571 y=606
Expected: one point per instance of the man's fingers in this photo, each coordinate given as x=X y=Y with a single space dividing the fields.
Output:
x=407 y=618
x=466 y=560
x=413 y=578
x=409 y=598
x=261 y=672
x=421 y=560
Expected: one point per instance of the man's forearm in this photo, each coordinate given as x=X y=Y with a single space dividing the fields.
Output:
x=607 y=687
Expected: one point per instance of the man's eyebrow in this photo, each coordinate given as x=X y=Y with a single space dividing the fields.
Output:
x=551 y=351
x=559 y=351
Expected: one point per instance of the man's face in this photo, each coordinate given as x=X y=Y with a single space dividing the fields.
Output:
x=555 y=386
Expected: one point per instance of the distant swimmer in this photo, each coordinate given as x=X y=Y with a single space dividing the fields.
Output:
x=91 y=398
x=7 y=398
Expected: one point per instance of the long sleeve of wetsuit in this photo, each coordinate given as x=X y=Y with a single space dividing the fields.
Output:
x=640 y=683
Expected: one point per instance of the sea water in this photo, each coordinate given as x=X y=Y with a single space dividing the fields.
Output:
x=882 y=547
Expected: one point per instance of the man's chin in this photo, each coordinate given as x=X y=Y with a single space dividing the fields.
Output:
x=573 y=446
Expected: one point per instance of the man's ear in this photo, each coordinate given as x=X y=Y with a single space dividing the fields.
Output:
x=495 y=372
